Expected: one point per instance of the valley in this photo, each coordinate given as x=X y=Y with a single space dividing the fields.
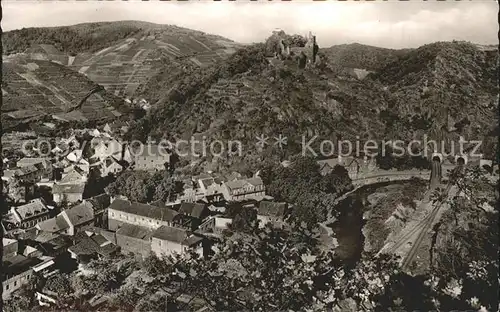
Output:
x=128 y=223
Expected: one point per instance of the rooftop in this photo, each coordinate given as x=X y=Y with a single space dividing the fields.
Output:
x=28 y=169
x=75 y=174
x=136 y=231
x=68 y=188
x=236 y=184
x=91 y=245
x=31 y=161
x=144 y=210
x=80 y=213
x=100 y=202
x=34 y=208
x=194 y=210
x=50 y=225
x=177 y=235
x=17 y=264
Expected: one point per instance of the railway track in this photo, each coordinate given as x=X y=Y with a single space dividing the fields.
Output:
x=429 y=221
x=422 y=227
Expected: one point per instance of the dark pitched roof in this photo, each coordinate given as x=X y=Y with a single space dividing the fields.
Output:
x=136 y=231
x=272 y=209
x=177 y=235
x=100 y=202
x=61 y=222
x=144 y=210
x=194 y=210
x=80 y=214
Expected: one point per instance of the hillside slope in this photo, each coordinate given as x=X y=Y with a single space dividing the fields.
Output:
x=33 y=89
x=121 y=56
x=252 y=94
x=444 y=89
x=357 y=55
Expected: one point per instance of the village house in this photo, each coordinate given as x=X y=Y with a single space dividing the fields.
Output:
x=18 y=190
x=202 y=188
x=76 y=159
x=90 y=246
x=166 y=241
x=8 y=175
x=28 y=215
x=152 y=217
x=68 y=193
x=56 y=225
x=210 y=185
x=71 y=142
x=73 y=175
x=134 y=239
x=69 y=221
x=29 y=174
x=238 y=190
x=100 y=204
x=101 y=138
x=356 y=167
x=19 y=266
x=106 y=149
x=44 y=166
x=193 y=213
x=117 y=127
x=78 y=217
x=190 y=194
x=110 y=166
x=215 y=225
x=151 y=158
x=271 y=212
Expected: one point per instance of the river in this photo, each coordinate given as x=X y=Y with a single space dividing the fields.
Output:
x=348 y=228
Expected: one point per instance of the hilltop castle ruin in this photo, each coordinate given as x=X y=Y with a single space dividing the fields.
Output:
x=304 y=55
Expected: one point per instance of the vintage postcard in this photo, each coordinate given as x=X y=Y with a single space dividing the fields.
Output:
x=249 y=156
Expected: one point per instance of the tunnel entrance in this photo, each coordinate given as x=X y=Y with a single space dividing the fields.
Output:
x=436 y=174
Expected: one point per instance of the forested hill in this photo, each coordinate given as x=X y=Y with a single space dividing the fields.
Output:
x=444 y=90
x=357 y=55
x=86 y=37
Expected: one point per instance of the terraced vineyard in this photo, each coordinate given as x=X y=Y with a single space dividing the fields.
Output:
x=36 y=88
x=127 y=64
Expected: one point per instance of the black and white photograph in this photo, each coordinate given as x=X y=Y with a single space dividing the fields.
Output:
x=267 y=156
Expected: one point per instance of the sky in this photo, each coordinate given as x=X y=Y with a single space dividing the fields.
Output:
x=391 y=24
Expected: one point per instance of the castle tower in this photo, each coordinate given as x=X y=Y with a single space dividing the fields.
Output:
x=315 y=49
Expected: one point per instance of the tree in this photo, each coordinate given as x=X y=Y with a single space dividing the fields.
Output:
x=466 y=242
x=144 y=187
x=59 y=284
x=244 y=218
x=302 y=184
